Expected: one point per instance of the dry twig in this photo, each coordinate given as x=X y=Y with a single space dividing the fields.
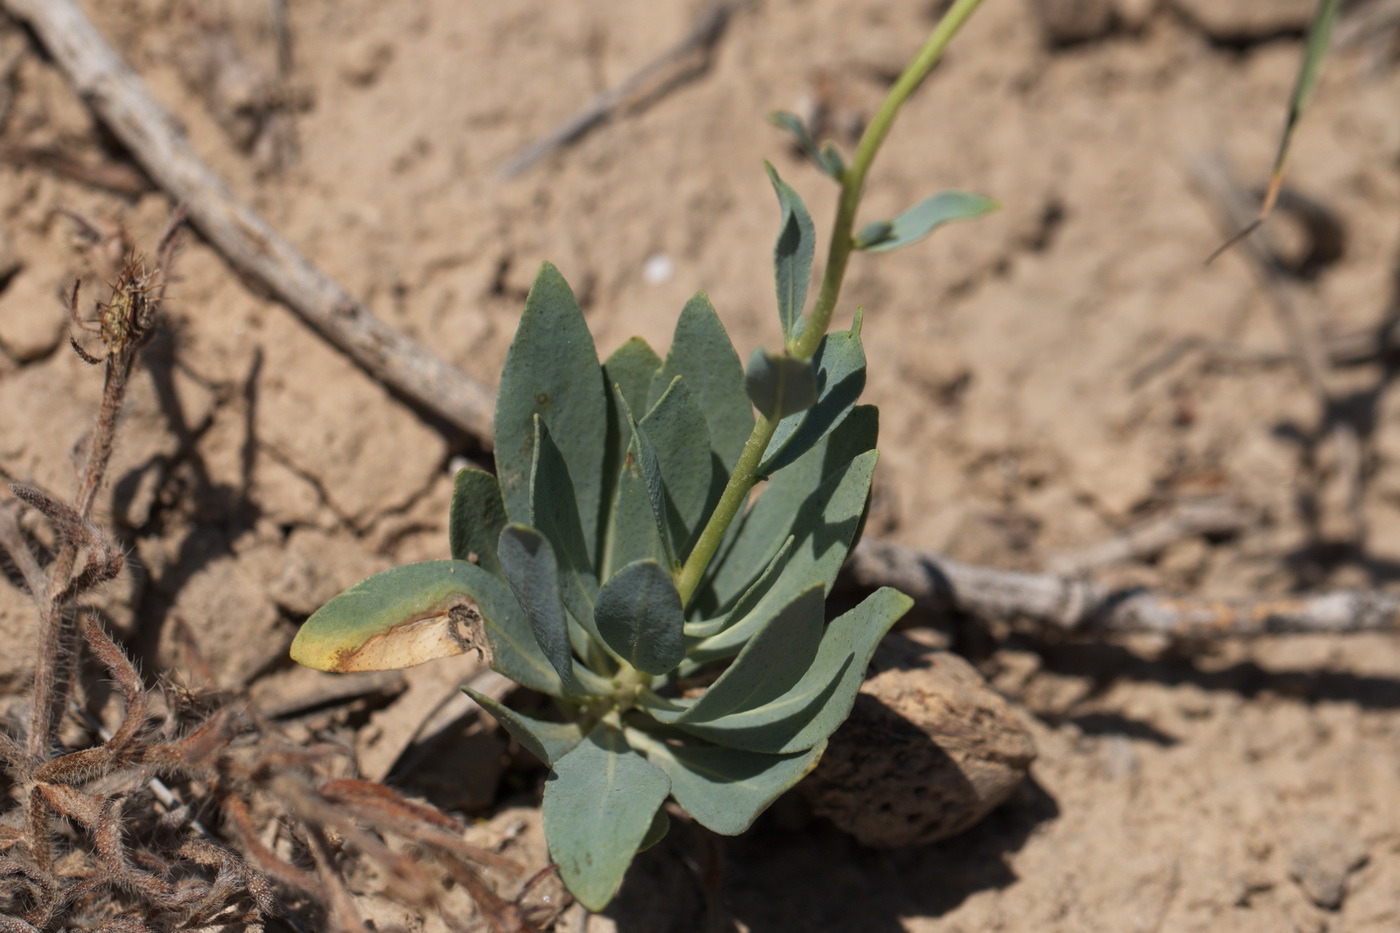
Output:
x=1079 y=605
x=701 y=38
x=122 y=101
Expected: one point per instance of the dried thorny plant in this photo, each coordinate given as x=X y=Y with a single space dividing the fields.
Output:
x=188 y=814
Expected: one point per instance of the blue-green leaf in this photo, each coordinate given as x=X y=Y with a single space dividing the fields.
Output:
x=780 y=385
x=476 y=518
x=530 y=568
x=555 y=515
x=416 y=613
x=547 y=741
x=552 y=371
x=792 y=255
x=725 y=789
x=629 y=532
x=707 y=627
x=677 y=429
x=702 y=354
x=774 y=659
x=840 y=365
x=822 y=699
x=598 y=808
x=781 y=501
x=827 y=158
x=660 y=825
x=922 y=219
x=642 y=454
x=639 y=617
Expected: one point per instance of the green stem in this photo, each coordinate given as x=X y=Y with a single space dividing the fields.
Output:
x=745 y=474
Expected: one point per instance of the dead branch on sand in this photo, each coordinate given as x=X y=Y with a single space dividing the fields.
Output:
x=121 y=100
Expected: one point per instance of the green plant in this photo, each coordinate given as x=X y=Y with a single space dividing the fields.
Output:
x=610 y=562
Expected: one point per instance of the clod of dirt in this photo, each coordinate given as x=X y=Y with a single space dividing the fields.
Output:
x=1246 y=20
x=1322 y=860
x=928 y=751
x=1064 y=22
x=32 y=321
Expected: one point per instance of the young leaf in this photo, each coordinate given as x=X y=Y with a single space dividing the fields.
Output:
x=547 y=741
x=476 y=518
x=629 y=533
x=644 y=457
x=639 y=617
x=922 y=219
x=840 y=365
x=780 y=385
x=822 y=699
x=599 y=806
x=826 y=159
x=792 y=255
x=528 y=562
x=412 y=614
x=702 y=354
x=555 y=515
x=783 y=500
x=552 y=371
x=677 y=428
x=746 y=603
x=770 y=663
x=725 y=789
x=660 y=825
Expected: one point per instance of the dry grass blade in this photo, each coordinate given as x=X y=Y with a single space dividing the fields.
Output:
x=1314 y=53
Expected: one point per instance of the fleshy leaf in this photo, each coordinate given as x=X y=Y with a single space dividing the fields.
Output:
x=824 y=528
x=792 y=255
x=555 y=515
x=822 y=699
x=552 y=371
x=629 y=532
x=725 y=789
x=780 y=385
x=547 y=741
x=643 y=456
x=746 y=603
x=702 y=354
x=639 y=617
x=660 y=825
x=677 y=428
x=770 y=663
x=414 y=613
x=840 y=364
x=826 y=159
x=774 y=516
x=476 y=518
x=599 y=806
x=922 y=219
x=530 y=568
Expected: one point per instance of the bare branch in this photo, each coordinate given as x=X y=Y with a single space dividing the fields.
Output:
x=121 y=100
x=1078 y=605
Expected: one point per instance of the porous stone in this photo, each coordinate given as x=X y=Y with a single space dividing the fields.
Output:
x=928 y=751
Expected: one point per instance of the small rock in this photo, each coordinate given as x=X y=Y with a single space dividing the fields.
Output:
x=928 y=751
x=32 y=320
x=1064 y=22
x=1322 y=860
x=1237 y=20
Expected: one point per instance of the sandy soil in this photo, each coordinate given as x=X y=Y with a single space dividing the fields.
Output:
x=1046 y=377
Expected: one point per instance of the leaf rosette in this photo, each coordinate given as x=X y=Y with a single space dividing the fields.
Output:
x=564 y=573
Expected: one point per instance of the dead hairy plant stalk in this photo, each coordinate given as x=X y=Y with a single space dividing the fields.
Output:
x=100 y=839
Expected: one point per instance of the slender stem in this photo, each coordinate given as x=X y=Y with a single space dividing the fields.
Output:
x=745 y=475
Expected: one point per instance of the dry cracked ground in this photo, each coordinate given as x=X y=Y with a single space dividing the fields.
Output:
x=1047 y=377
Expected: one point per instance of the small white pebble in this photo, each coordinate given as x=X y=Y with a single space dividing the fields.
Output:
x=657 y=269
x=457 y=464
